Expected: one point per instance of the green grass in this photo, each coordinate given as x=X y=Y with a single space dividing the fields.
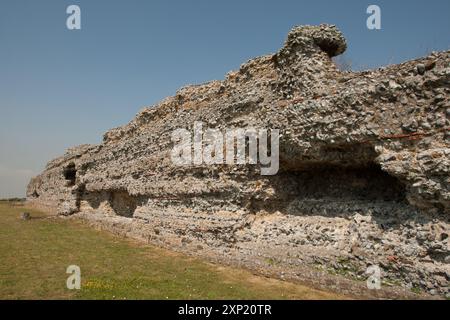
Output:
x=34 y=256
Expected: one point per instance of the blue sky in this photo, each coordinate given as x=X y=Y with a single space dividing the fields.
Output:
x=60 y=88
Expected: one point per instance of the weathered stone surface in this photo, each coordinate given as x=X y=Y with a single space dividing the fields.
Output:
x=364 y=168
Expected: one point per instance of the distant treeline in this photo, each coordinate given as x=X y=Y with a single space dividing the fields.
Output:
x=13 y=200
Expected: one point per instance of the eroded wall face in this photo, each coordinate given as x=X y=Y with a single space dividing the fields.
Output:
x=363 y=179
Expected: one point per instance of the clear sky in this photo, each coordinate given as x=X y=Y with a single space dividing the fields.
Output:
x=60 y=88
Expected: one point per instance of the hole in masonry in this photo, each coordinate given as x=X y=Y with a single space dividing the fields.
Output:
x=331 y=48
x=334 y=181
x=333 y=191
x=344 y=172
x=360 y=183
x=123 y=204
x=70 y=174
x=110 y=202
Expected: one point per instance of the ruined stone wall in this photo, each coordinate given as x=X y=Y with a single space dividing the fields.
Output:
x=364 y=168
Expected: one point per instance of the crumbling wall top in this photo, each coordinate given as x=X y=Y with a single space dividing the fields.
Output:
x=326 y=37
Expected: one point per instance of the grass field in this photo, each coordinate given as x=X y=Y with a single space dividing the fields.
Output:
x=34 y=255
